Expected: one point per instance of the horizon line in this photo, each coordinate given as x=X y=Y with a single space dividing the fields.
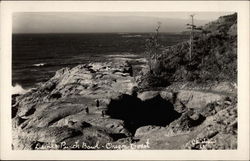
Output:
x=92 y=32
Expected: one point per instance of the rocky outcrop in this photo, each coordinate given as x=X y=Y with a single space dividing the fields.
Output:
x=197 y=99
x=196 y=129
x=72 y=100
x=97 y=105
x=90 y=81
x=219 y=131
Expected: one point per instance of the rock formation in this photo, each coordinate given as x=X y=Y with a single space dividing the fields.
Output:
x=97 y=104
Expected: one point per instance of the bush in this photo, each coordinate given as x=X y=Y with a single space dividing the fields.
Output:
x=153 y=80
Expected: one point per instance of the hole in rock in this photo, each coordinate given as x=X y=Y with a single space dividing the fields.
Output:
x=14 y=110
x=197 y=122
x=118 y=136
x=31 y=111
x=56 y=95
x=137 y=113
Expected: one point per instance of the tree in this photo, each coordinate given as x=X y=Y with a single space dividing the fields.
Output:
x=153 y=46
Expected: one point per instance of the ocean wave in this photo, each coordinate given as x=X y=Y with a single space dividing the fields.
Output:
x=131 y=35
x=141 y=60
x=39 y=64
x=122 y=55
x=18 y=89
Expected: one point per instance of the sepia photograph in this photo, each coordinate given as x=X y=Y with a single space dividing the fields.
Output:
x=122 y=80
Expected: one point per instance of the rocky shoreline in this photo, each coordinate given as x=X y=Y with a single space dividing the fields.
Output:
x=99 y=106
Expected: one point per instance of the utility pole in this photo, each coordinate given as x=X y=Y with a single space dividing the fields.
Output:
x=191 y=27
x=191 y=37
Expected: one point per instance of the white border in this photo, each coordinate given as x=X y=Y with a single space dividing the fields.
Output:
x=241 y=7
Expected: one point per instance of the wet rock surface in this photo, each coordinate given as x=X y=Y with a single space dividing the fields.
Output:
x=96 y=106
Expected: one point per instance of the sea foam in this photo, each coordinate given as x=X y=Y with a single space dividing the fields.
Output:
x=18 y=89
x=39 y=64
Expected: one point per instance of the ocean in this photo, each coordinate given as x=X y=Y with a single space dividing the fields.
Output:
x=36 y=57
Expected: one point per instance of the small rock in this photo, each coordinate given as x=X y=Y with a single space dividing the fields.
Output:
x=148 y=95
x=227 y=103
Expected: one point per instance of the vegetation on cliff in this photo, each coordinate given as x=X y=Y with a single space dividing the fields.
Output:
x=214 y=56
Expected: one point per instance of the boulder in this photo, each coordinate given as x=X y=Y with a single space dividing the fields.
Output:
x=226 y=87
x=167 y=95
x=147 y=130
x=197 y=99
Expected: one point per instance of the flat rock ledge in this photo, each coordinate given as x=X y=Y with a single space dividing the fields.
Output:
x=96 y=106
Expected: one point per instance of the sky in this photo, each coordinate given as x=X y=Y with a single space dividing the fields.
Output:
x=107 y=22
